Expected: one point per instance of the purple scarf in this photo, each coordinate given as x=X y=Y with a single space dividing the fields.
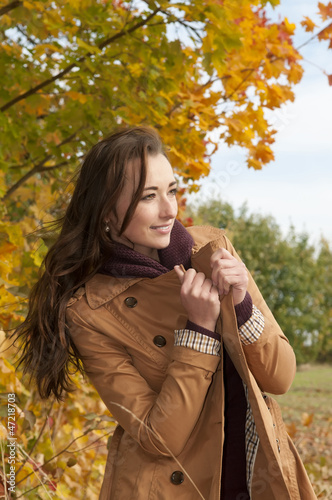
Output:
x=125 y=262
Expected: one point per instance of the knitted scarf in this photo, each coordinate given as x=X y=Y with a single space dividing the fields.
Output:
x=125 y=262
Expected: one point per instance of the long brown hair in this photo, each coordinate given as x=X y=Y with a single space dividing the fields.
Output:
x=83 y=245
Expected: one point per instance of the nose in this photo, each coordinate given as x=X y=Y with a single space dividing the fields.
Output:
x=168 y=208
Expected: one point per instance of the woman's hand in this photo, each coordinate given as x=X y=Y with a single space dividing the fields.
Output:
x=199 y=297
x=227 y=271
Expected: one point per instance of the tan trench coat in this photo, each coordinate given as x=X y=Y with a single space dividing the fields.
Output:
x=169 y=400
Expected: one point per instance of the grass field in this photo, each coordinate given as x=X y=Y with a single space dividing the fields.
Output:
x=307 y=412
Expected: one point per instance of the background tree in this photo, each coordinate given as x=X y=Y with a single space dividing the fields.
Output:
x=323 y=285
x=294 y=277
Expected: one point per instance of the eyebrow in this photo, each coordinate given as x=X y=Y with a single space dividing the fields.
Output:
x=155 y=188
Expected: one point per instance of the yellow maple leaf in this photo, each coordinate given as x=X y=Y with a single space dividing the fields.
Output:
x=290 y=27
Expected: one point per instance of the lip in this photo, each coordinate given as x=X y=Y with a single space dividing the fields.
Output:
x=163 y=229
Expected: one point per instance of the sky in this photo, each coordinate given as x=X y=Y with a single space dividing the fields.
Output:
x=296 y=189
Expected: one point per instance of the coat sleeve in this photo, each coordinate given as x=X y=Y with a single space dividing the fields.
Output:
x=270 y=358
x=160 y=422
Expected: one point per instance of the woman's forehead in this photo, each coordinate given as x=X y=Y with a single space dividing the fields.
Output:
x=158 y=171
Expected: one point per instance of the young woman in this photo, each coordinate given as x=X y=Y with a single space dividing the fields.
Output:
x=173 y=333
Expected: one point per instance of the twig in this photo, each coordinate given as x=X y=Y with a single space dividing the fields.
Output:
x=313 y=37
x=4 y=470
x=59 y=453
x=28 y=456
x=175 y=19
x=33 y=43
x=34 y=472
x=88 y=446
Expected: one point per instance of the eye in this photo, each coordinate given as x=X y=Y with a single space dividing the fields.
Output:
x=149 y=196
x=173 y=191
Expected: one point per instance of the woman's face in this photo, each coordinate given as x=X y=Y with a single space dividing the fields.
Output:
x=150 y=227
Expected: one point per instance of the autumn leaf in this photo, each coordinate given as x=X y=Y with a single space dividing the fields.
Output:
x=291 y=429
x=308 y=24
x=307 y=419
x=325 y=11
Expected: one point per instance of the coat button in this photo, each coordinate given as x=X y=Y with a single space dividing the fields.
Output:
x=159 y=341
x=130 y=302
x=177 y=477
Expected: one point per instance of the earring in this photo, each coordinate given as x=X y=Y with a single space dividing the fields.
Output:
x=107 y=228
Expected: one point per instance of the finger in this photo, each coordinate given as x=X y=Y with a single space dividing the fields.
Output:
x=196 y=286
x=180 y=273
x=226 y=263
x=237 y=272
x=236 y=277
x=224 y=268
x=192 y=282
x=206 y=287
x=223 y=286
x=220 y=253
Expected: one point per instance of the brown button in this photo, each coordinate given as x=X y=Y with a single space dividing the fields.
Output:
x=177 y=477
x=159 y=341
x=130 y=302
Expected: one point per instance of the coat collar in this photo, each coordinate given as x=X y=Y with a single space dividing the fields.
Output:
x=101 y=288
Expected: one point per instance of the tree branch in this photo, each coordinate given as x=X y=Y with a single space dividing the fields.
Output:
x=249 y=73
x=33 y=43
x=9 y=7
x=314 y=36
x=184 y=24
x=25 y=177
x=53 y=167
x=76 y=64
x=38 y=168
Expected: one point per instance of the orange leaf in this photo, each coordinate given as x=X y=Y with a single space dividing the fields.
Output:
x=307 y=419
x=330 y=79
x=308 y=24
x=291 y=429
x=326 y=33
x=325 y=10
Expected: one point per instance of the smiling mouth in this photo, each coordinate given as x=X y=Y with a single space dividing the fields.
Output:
x=166 y=228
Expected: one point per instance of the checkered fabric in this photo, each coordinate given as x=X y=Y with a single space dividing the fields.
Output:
x=197 y=341
x=253 y=328
x=251 y=440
